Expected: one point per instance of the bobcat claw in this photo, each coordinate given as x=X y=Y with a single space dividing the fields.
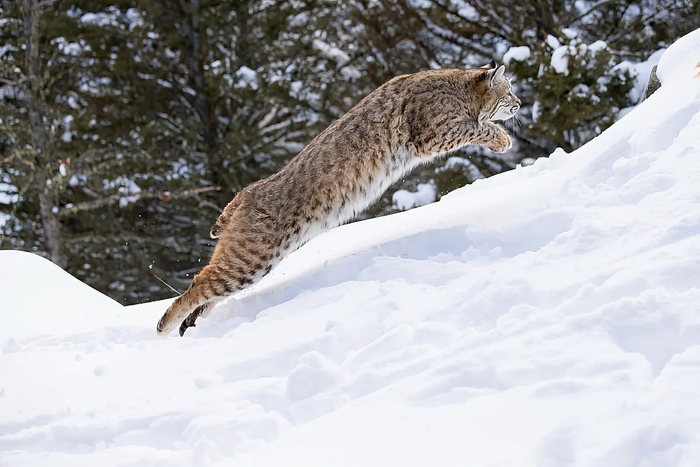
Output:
x=184 y=326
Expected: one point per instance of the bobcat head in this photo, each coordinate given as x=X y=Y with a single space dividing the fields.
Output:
x=499 y=101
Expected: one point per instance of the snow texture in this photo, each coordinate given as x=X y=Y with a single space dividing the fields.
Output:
x=640 y=73
x=247 y=78
x=548 y=316
x=560 y=59
x=561 y=53
x=425 y=194
x=8 y=195
x=519 y=54
x=339 y=56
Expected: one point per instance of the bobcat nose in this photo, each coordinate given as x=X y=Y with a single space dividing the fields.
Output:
x=514 y=108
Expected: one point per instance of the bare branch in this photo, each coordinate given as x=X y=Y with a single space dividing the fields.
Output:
x=481 y=24
x=208 y=204
x=592 y=9
x=9 y=82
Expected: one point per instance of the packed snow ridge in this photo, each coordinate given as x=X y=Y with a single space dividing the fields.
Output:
x=549 y=316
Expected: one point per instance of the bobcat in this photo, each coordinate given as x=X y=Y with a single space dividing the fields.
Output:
x=408 y=121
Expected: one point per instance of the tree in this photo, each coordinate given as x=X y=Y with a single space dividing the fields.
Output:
x=128 y=124
x=37 y=151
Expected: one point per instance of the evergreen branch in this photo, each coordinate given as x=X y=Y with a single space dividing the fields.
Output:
x=165 y=196
x=477 y=24
x=86 y=164
x=10 y=82
x=501 y=23
x=208 y=204
x=103 y=166
x=456 y=39
x=91 y=238
x=95 y=160
x=91 y=155
x=24 y=156
x=45 y=3
x=642 y=21
x=593 y=9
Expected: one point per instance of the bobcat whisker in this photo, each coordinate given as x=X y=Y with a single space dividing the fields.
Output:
x=168 y=285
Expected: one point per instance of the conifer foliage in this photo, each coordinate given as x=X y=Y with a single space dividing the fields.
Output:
x=126 y=125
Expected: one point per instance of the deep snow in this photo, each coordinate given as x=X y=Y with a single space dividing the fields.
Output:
x=549 y=316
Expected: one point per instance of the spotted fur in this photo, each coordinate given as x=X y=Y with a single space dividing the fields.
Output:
x=408 y=121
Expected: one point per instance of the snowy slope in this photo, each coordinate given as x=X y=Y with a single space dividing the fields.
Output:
x=549 y=316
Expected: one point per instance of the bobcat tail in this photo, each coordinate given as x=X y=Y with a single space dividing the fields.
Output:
x=221 y=222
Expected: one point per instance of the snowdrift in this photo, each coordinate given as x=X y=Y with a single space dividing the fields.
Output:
x=549 y=316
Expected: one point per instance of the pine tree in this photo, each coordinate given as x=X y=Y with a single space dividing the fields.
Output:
x=126 y=125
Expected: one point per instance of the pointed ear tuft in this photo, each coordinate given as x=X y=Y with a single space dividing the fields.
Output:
x=495 y=75
x=490 y=65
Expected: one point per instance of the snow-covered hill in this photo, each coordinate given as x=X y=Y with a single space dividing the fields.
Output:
x=549 y=316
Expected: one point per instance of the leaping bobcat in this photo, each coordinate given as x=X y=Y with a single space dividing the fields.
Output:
x=408 y=121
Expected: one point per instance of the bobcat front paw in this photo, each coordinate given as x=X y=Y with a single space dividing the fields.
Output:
x=501 y=142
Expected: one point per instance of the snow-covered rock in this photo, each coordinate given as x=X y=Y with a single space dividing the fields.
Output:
x=640 y=73
x=548 y=316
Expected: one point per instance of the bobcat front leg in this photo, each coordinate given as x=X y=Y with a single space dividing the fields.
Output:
x=493 y=137
x=460 y=132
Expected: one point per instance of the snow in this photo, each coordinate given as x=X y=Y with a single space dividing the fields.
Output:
x=520 y=54
x=536 y=111
x=69 y=48
x=570 y=33
x=547 y=316
x=247 y=78
x=424 y=194
x=98 y=19
x=330 y=51
x=597 y=46
x=560 y=59
x=339 y=56
x=135 y=19
x=640 y=73
x=454 y=161
x=8 y=195
x=63 y=303
x=561 y=53
x=553 y=42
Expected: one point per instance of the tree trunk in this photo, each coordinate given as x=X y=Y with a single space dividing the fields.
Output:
x=202 y=101
x=545 y=20
x=31 y=12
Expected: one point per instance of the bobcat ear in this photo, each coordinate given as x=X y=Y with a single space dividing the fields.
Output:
x=490 y=65
x=495 y=75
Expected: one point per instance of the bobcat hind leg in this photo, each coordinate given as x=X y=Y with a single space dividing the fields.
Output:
x=201 y=310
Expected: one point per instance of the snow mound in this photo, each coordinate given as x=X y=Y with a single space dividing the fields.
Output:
x=548 y=316
x=38 y=297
